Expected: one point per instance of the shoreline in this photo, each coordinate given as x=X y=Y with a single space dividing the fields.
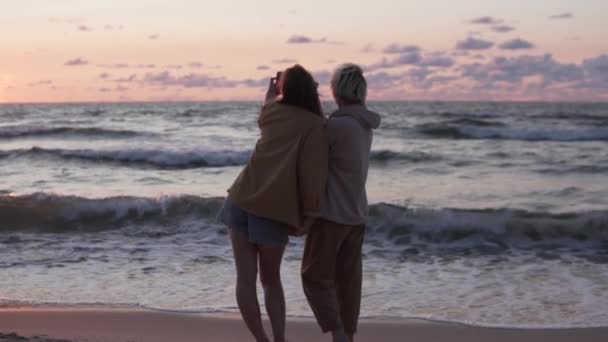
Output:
x=8 y=305
x=131 y=324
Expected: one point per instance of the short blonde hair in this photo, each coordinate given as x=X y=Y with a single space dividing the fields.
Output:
x=348 y=83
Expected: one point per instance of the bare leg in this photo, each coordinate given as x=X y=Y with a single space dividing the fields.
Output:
x=245 y=258
x=270 y=276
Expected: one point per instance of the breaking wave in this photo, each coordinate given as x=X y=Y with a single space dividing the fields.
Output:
x=140 y=157
x=14 y=132
x=490 y=229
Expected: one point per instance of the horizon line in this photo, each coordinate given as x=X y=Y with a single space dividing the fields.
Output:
x=256 y=101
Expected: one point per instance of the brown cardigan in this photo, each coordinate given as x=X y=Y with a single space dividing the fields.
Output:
x=285 y=177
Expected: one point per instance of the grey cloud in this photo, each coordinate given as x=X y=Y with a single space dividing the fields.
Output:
x=109 y=90
x=424 y=78
x=85 y=28
x=408 y=58
x=76 y=62
x=262 y=67
x=161 y=77
x=195 y=65
x=563 y=73
x=474 y=44
x=596 y=71
x=515 y=69
x=399 y=49
x=146 y=66
x=432 y=81
x=418 y=74
x=418 y=77
x=299 y=39
x=104 y=75
x=131 y=78
x=193 y=80
x=438 y=60
x=567 y=15
x=197 y=81
x=460 y=53
x=173 y=66
x=40 y=83
x=285 y=61
x=382 y=80
x=486 y=21
x=516 y=44
x=368 y=48
x=401 y=60
x=597 y=65
x=502 y=28
x=154 y=36
x=113 y=66
x=255 y=83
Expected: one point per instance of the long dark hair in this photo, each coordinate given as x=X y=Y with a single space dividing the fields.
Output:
x=300 y=90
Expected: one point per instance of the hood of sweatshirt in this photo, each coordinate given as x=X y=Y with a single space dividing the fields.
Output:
x=367 y=118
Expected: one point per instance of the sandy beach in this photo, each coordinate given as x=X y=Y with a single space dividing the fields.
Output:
x=99 y=324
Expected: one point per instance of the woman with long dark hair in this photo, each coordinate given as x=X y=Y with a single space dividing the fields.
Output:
x=278 y=192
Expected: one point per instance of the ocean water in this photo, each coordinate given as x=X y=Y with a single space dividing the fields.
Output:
x=491 y=214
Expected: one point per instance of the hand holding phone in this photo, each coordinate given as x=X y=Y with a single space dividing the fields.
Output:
x=273 y=88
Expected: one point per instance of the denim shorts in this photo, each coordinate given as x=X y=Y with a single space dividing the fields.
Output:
x=259 y=230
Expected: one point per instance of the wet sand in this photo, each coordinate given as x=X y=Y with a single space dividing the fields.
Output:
x=108 y=324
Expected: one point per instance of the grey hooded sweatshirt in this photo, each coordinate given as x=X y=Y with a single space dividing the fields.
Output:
x=349 y=131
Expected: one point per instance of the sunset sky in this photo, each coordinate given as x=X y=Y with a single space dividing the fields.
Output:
x=156 y=50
